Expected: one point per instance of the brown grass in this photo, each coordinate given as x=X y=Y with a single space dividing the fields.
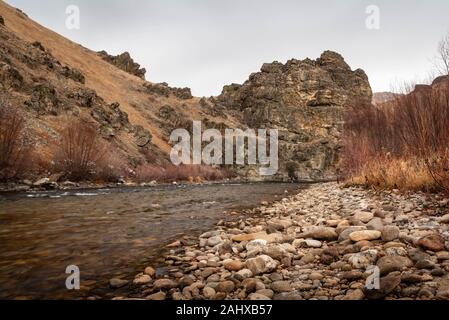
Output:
x=169 y=173
x=402 y=144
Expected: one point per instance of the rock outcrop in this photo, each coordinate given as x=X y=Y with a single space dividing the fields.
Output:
x=124 y=62
x=163 y=89
x=304 y=100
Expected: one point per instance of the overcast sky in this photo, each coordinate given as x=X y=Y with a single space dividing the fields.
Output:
x=205 y=44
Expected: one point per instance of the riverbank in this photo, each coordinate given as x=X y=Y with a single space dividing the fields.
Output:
x=318 y=244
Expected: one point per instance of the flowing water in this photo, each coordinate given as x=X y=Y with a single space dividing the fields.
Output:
x=106 y=232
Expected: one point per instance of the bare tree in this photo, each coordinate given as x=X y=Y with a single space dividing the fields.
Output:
x=443 y=55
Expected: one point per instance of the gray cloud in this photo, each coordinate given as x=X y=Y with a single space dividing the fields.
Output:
x=205 y=44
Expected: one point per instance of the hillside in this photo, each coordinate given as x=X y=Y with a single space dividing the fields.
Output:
x=54 y=80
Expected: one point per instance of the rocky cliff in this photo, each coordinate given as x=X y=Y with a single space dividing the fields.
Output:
x=304 y=100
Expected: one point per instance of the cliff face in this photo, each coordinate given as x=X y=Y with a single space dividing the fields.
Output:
x=304 y=100
x=53 y=79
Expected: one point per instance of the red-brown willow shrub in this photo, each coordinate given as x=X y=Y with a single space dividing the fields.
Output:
x=403 y=143
x=81 y=151
x=13 y=154
x=170 y=172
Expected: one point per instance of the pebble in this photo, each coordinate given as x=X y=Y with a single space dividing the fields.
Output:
x=142 y=279
x=157 y=296
x=365 y=235
x=115 y=283
x=164 y=284
x=209 y=292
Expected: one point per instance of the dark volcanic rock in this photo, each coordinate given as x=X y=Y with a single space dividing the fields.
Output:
x=163 y=89
x=124 y=62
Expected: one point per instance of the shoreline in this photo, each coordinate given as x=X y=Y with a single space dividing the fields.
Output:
x=317 y=244
x=86 y=186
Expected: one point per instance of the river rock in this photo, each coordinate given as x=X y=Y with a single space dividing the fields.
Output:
x=443 y=255
x=115 y=283
x=158 y=296
x=389 y=264
x=232 y=265
x=390 y=233
x=256 y=245
x=225 y=286
x=365 y=235
x=150 y=271
x=310 y=243
x=253 y=285
x=166 y=284
x=344 y=234
x=257 y=296
x=281 y=286
x=444 y=219
x=363 y=259
x=261 y=264
x=321 y=233
x=213 y=241
x=387 y=285
x=142 y=279
x=433 y=242
x=356 y=294
x=375 y=224
x=363 y=216
x=244 y=274
x=272 y=237
x=275 y=251
x=209 y=292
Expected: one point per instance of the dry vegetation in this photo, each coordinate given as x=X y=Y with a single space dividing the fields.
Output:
x=80 y=154
x=13 y=153
x=191 y=173
x=402 y=144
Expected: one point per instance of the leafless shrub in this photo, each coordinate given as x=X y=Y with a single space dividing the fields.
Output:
x=13 y=154
x=81 y=151
x=192 y=173
x=413 y=130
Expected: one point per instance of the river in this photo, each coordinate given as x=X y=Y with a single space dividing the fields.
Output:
x=107 y=233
